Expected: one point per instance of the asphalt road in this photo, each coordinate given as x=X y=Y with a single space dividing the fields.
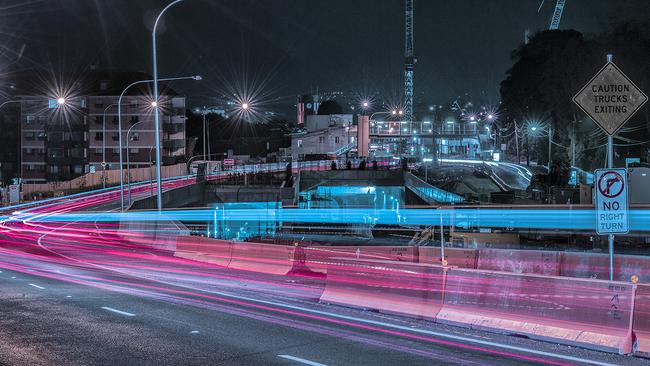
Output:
x=146 y=308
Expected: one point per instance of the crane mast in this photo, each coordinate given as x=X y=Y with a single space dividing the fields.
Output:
x=557 y=15
x=409 y=61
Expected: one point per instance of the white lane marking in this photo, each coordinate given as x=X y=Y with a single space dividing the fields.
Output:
x=68 y=296
x=423 y=331
x=194 y=332
x=301 y=360
x=13 y=277
x=117 y=311
x=37 y=286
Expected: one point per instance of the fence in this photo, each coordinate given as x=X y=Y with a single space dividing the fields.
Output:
x=95 y=179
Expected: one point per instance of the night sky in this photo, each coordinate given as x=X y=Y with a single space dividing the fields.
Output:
x=281 y=48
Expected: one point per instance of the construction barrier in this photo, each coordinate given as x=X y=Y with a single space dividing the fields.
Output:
x=519 y=261
x=458 y=257
x=595 y=265
x=318 y=257
x=206 y=250
x=588 y=313
x=263 y=258
x=410 y=289
x=641 y=325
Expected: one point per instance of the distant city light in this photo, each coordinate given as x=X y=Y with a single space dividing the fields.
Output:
x=490 y=116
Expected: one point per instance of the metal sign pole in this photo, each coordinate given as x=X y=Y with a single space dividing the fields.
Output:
x=610 y=164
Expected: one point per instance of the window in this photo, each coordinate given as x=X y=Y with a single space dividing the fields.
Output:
x=78 y=169
x=99 y=135
x=134 y=151
x=321 y=139
x=54 y=169
x=41 y=136
x=299 y=143
x=40 y=168
x=135 y=136
x=29 y=151
x=30 y=119
x=134 y=119
x=99 y=151
x=31 y=136
x=31 y=167
x=336 y=139
x=115 y=136
x=116 y=152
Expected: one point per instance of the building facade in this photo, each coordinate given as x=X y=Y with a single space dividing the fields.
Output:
x=60 y=141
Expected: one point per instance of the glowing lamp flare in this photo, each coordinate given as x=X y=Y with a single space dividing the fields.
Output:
x=60 y=101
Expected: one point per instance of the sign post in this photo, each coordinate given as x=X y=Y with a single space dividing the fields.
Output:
x=610 y=98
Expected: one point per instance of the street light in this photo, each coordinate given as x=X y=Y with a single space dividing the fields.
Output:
x=155 y=98
x=549 y=130
x=128 y=162
x=244 y=106
x=119 y=123
x=104 y=145
x=60 y=101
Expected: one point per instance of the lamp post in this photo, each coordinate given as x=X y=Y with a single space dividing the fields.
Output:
x=155 y=98
x=119 y=123
x=549 y=130
x=104 y=145
x=128 y=162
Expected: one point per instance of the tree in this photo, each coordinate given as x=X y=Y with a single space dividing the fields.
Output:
x=551 y=69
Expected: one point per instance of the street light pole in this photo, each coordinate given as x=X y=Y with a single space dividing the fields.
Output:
x=550 y=136
x=128 y=163
x=104 y=145
x=155 y=98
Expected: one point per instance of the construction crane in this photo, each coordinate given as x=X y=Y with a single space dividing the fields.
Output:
x=409 y=62
x=557 y=14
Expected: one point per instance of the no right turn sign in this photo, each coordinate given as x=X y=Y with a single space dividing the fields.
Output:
x=611 y=201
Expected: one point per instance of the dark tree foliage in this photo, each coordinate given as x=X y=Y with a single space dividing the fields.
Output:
x=551 y=69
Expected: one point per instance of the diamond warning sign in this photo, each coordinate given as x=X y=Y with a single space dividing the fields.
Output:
x=610 y=98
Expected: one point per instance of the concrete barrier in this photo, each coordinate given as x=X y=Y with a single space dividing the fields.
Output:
x=410 y=289
x=263 y=258
x=206 y=250
x=519 y=261
x=318 y=257
x=588 y=313
x=596 y=265
x=641 y=324
x=458 y=257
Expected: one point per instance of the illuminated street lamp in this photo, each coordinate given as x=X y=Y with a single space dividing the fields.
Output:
x=60 y=101
x=534 y=128
x=244 y=106
x=155 y=98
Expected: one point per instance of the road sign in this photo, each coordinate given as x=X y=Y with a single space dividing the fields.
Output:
x=92 y=169
x=104 y=164
x=611 y=201
x=229 y=162
x=610 y=98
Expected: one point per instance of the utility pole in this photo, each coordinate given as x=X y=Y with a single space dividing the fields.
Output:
x=409 y=62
